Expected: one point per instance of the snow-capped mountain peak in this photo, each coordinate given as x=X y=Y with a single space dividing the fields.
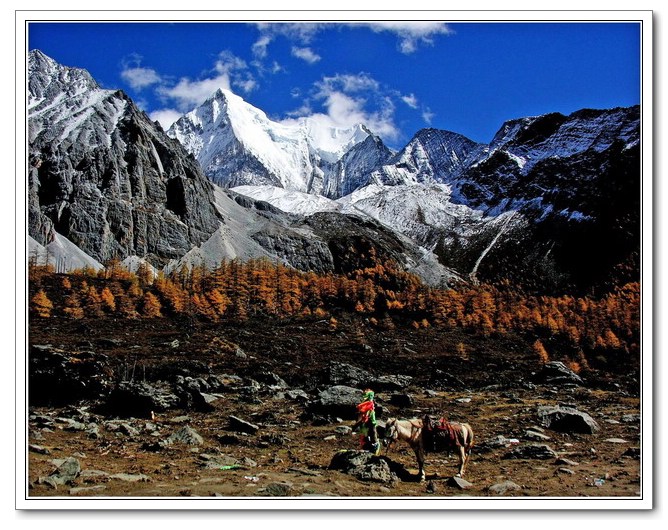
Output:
x=238 y=144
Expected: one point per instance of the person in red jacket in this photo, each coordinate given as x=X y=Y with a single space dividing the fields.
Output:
x=366 y=423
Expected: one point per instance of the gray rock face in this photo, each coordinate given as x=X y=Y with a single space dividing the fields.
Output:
x=567 y=419
x=106 y=177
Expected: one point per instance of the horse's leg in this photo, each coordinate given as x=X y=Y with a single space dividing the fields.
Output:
x=462 y=461
x=419 y=454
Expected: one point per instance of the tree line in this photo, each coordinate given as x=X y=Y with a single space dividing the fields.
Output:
x=384 y=294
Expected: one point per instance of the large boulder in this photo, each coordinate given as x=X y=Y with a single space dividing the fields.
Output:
x=364 y=466
x=58 y=377
x=567 y=419
x=339 y=401
x=556 y=373
x=140 y=400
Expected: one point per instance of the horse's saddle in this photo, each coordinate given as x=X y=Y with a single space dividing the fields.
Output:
x=440 y=435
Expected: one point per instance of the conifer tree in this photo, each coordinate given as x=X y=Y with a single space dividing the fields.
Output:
x=151 y=306
x=41 y=305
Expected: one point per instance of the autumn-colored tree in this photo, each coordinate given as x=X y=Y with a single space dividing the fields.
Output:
x=92 y=301
x=173 y=296
x=218 y=302
x=41 y=305
x=72 y=306
x=151 y=306
x=108 y=300
x=126 y=306
x=540 y=350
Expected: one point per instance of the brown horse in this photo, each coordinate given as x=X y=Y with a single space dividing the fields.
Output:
x=450 y=437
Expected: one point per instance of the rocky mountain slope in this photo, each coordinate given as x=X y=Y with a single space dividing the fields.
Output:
x=104 y=176
x=551 y=196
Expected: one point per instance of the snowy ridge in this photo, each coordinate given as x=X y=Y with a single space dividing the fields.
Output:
x=66 y=104
x=237 y=144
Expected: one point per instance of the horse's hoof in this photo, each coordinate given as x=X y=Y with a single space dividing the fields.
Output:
x=459 y=475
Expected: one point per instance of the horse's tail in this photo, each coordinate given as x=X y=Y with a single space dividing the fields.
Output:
x=468 y=438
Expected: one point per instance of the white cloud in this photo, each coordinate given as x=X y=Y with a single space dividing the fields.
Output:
x=349 y=100
x=306 y=54
x=139 y=77
x=410 y=100
x=347 y=83
x=259 y=48
x=188 y=94
x=302 y=32
x=427 y=115
x=229 y=70
x=165 y=117
x=411 y=34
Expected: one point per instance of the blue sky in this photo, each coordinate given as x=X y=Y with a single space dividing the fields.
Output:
x=397 y=78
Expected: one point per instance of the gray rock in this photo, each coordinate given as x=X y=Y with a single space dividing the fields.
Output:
x=129 y=477
x=556 y=372
x=345 y=374
x=272 y=380
x=630 y=418
x=339 y=401
x=185 y=435
x=565 y=462
x=277 y=489
x=497 y=442
x=616 y=440
x=530 y=434
x=140 y=399
x=459 y=483
x=66 y=471
x=363 y=466
x=531 y=452
x=239 y=425
x=87 y=489
x=71 y=425
x=38 y=449
x=504 y=487
x=567 y=419
x=391 y=382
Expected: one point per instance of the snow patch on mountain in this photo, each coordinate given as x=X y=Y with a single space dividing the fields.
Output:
x=295 y=202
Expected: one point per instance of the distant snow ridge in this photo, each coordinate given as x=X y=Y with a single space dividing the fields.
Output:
x=237 y=144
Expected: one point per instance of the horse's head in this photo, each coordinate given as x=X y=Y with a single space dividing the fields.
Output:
x=391 y=431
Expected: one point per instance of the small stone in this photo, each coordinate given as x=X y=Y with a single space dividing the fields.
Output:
x=459 y=482
x=503 y=487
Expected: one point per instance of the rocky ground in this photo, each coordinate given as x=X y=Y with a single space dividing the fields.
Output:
x=184 y=409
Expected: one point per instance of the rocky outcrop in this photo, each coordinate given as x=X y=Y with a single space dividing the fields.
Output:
x=567 y=419
x=106 y=177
